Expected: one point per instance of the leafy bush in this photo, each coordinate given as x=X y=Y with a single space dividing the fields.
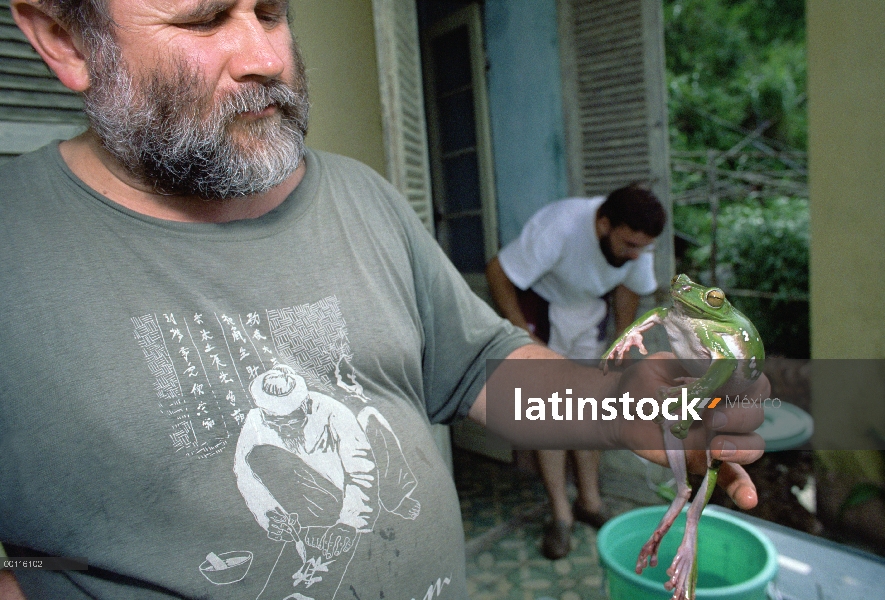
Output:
x=740 y=62
x=762 y=246
x=734 y=67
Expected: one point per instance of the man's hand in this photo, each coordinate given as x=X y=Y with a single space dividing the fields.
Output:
x=282 y=527
x=728 y=431
x=506 y=299
x=337 y=539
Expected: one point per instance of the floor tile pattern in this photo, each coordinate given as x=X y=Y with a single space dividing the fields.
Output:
x=504 y=510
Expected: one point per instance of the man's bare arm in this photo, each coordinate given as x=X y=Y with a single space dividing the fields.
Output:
x=504 y=294
x=624 y=304
x=9 y=589
x=731 y=440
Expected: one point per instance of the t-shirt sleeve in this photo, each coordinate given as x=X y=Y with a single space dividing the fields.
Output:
x=535 y=252
x=641 y=278
x=461 y=331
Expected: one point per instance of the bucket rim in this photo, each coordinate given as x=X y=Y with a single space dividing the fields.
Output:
x=765 y=575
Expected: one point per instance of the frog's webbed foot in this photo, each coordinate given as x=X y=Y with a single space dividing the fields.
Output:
x=648 y=555
x=683 y=570
x=622 y=347
x=680 y=573
x=632 y=337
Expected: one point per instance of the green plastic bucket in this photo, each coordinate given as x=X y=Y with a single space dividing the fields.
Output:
x=735 y=560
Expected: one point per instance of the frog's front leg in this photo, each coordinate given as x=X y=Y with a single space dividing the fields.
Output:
x=719 y=372
x=648 y=555
x=632 y=336
x=683 y=570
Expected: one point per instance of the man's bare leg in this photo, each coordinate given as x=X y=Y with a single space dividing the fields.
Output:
x=558 y=532
x=551 y=463
x=587 y=472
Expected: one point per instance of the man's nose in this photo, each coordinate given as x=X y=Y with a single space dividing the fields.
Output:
x=257 y=53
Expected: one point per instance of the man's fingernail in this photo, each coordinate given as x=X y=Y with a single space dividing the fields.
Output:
x=719 y=420
x=727 y=451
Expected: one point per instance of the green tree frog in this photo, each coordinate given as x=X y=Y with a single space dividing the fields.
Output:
x=722 y=351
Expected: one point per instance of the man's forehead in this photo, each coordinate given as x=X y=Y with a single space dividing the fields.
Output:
x=179 y=7
x=634 y=236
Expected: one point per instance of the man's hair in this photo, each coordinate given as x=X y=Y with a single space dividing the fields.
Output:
x=91 y=19
x=636 y=207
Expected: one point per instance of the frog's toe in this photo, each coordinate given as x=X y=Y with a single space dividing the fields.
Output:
x=680 y=430
x=680 y=574
x=648 y=555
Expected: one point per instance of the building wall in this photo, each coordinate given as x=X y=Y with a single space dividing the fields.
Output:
x=846 y=98
x=338 y=43
x=525 y=100
x=846 y=136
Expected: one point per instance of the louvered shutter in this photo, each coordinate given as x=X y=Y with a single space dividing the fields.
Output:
x=402 y=101
x=34 y=105
x=405 y=133
x=616 y=112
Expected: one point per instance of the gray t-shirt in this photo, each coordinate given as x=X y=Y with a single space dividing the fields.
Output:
x=232 y=410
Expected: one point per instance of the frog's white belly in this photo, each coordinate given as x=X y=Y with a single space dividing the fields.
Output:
x=687 y=346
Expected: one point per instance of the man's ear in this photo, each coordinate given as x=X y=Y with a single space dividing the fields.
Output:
x=603 y=226
x=61 y=49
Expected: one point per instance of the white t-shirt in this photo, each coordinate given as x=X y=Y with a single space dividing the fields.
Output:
x=558 y=256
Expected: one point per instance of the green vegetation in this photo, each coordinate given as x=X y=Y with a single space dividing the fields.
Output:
x=737 y=62
x=736 y=74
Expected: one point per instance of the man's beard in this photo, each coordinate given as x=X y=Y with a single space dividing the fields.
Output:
x=169 y=132
x=289 y=427
x=605 y=244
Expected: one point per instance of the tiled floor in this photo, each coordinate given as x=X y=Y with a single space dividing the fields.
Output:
x=504 y=510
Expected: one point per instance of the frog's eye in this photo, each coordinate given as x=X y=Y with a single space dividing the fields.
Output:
x=715 y=298
x=673 y=281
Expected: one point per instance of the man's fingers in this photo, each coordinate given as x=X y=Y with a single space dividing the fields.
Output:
x=735 y=419
x=735 y=481
x=761 y=388
x=740 y=449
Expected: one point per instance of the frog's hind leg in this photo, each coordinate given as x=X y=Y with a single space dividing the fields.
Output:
x=683 y=570
x=648 y=555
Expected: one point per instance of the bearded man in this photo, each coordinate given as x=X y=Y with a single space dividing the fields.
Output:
x=583 y=256
x=186 y=243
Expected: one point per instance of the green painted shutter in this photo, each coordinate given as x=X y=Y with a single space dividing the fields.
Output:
x=34 y=105
x=615 y=102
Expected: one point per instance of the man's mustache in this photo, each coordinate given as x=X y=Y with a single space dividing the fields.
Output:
x=255 y=97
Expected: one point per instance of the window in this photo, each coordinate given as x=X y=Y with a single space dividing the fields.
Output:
x=460 y=142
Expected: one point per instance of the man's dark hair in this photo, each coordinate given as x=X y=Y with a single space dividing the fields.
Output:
x=636 y=207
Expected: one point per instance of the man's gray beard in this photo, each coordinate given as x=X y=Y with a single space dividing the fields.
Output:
x=169 y=133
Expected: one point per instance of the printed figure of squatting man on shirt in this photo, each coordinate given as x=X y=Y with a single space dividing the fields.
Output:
x=341 y=477
x=222 y=351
